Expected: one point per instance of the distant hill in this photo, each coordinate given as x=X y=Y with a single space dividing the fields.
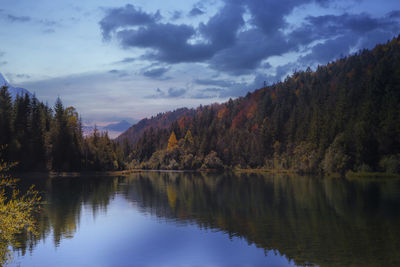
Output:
x=343 y=116
x=118 y=127
x=113 y=129
x=160 y=121
x=14 y=91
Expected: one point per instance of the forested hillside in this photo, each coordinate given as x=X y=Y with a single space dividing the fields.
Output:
x=343 y=116
x=38 y=137
x=160 y=121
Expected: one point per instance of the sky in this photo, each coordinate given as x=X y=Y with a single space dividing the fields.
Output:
x=115 y=60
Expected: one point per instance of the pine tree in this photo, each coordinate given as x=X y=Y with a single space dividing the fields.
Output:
x=38 y=128
x=5 y=117
x=172 y=141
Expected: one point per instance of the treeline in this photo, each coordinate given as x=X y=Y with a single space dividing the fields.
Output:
x=41 y=138
x=344 y=116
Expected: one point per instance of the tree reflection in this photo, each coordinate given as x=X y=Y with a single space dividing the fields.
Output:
x=310 y=220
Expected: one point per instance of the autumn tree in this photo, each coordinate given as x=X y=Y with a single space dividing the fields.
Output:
x=16 y=211
x=172 y=141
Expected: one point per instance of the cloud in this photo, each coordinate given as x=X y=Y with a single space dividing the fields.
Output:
x=222 y=88
x=155 y=73
x=120 y=73
x=213 y=82
x=221 y=30
x=394 y=14
x=48 y=23
x=126 y=60
x=195 y=12
x=169 y=43
x=342 y=34
x=250 y=49
x=176 y=15
x=228 y=43
x=128 y=15
x=48 y=31
x=171 y=93
x=23 y=76
x=13 y=18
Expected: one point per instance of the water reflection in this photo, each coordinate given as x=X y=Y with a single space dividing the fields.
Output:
x=309 y=220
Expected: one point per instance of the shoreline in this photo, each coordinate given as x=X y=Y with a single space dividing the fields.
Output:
x=348 y=175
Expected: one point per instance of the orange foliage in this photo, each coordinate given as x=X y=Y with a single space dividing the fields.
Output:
x=251 y=110
x=239 y=119
x=222 y=113
x=273 y=94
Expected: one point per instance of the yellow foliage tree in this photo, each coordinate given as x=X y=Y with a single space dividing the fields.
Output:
x=16 y=211
x=172 y=141
x=189 y=138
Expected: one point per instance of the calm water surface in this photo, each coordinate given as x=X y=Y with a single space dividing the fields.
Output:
x=186 y=219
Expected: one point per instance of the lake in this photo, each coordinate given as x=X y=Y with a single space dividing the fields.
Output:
x=199 y=219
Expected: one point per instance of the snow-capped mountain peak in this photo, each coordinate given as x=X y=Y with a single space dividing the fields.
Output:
x=3 y=81
x=14 y=91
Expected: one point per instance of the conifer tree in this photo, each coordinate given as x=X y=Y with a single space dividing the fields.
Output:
x=172 y=141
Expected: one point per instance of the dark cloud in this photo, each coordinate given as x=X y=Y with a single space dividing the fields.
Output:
x=329 y=50
x=222 y=88
x=176 y=15
x=155 y=73
x=394 y=14
x=269 y=15
x=13 y=18
x=172 y=92
x=213 y=82
x=228 y=45
x=2 y=63
x=128 y=15
x=221 y=30
x=195 y=12
x=251 y=48
x=341 y=34
x=357 y=23
x=168 y=41
x=2 y=53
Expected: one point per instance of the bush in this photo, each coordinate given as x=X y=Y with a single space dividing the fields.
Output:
x=336 y=160
x=390 y=164
x=212 y=161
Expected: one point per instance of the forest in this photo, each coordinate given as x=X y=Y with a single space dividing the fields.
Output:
x=40 y=138
x=343 y=116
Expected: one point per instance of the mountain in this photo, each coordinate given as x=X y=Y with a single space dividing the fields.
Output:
x=343 y=116
x=118 y=127
x=14 y=91
x=113 y=129
x=160 y=121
